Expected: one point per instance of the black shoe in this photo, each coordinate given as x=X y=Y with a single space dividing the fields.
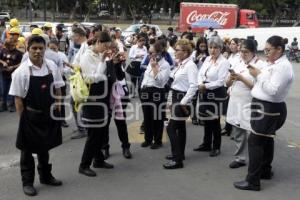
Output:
x=87 y=172
x=171 y=157
x=267 y=176
x=51 y=181
x=64 y=124
x=236 y=164
x=173 y=165
x=106 y=154
x=225 y=132
x=126 y=153
x=215 y=152
x=103 y=164
x=245 y=185
x=156 y=145
x=145 y=144
x=29 y=190
x=78 y=135
x=202 y=147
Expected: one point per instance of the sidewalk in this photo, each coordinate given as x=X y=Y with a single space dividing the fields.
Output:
x=143 y=177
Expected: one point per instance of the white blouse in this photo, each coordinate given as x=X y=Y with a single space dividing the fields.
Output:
x=213 y=74
x=185 y=79
x=274 y=81
x=160 y=79
x=135 y=52
x=93 y=66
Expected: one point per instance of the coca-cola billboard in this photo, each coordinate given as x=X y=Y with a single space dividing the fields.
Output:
x=222 y=14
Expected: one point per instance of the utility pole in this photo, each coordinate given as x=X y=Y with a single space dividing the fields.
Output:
x=45 y=10
x=30 y=10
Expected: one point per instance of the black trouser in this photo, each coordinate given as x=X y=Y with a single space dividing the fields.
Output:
x=261 y=153
x=194 y=108
x=152 y=99
x=121 y=128
x=28 y=167
x=91 y=148
x=177 y=127
x=212 y=131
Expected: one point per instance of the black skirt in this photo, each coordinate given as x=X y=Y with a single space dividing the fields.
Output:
x=267 y=117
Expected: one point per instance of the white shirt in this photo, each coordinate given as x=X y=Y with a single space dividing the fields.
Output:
x=274 y=81
x=84 y=46
x=160 y=79
x=93 y=66
x=171 y=51
x=185 y=79
x=234 y=58
x=213 y=73
x=21 y=76
x=136 y=51
x=239 y=110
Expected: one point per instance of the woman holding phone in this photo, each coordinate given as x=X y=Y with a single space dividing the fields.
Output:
x=153 y=96
x=268 y=111
x=238 y=113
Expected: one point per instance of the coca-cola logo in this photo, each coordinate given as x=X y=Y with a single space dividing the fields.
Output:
x=218 y=16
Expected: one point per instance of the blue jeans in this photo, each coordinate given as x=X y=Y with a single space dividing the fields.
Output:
x=7 y=99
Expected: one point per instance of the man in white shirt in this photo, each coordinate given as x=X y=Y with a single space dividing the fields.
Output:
x=35 y=102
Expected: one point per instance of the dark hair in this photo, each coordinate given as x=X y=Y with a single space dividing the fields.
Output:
x=187 y=35
x=198 y=50
x=97 y=28
x=163 y=43
x=162 y=37
x=172 y=40
x=33 y=26
x=236 y=40
x=101 y=37
x=170 y=29
x=152 y=40
x=250 y=44
x=80 y=31
x=277 y=41
x=158 y=47
x=53 y=41
x=35 y=39
x=140 y=36
x=153 y=30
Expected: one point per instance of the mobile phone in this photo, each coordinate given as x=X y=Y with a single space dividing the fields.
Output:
x=231 y=71
x=158 y=58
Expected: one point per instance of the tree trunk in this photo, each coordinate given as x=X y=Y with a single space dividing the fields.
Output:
x=133 y=14
x=73 y=11
x=298 y=18
x=276 y=17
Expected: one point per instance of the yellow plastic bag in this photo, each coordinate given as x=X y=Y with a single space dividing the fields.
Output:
x=78 y=88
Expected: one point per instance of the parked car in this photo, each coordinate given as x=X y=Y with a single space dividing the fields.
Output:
x=4 y=16
x=132 y=29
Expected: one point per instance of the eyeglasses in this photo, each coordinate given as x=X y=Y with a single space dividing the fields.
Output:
x=267 y=51
x=179 y=50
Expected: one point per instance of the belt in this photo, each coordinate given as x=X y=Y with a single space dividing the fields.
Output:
x=33 y=110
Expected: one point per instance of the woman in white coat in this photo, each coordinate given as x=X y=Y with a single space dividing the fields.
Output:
x=238 y=113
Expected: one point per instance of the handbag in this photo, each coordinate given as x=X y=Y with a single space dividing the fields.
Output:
x=134 y=68
x=78 y=88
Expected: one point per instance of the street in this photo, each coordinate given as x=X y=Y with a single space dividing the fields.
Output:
x=143 y=177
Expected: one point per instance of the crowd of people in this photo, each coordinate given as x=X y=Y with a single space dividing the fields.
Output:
x=203 y=80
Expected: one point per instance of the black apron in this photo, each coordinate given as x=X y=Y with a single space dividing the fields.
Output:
x=38 y=132
x=267 y=117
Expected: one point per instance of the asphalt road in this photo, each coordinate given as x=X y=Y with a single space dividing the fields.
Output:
x=143 y=177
